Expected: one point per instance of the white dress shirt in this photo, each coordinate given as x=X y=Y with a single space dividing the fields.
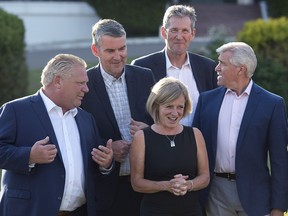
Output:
x=68 y=138
x=229 y=122
x=185 y=75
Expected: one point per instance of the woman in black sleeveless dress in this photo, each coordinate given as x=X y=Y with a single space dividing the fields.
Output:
x=168 y=160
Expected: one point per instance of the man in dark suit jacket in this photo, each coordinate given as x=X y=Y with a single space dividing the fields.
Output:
x=117 y=99
x=245 y=128
x=46 y=144
x=196 y=71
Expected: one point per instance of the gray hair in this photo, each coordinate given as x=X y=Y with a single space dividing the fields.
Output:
x=60 y=65
x=179 y=11
x=108 y=27
x=165 y=91
x=242 y=54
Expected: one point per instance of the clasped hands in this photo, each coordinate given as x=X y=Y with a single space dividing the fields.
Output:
x=179 y=185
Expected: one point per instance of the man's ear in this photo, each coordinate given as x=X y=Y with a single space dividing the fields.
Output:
x=193 y=33
x=163 y=32
x=57 y=81
x=94 y=50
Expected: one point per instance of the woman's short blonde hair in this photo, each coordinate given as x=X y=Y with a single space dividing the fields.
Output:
x=165 y=91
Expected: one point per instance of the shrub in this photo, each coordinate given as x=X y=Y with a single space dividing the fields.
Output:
x=138 y=18
x=269 y=40
x=13 y=69
x=277 y=8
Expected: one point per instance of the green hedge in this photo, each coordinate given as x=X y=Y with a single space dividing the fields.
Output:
x=13 y=68
x=269 y=39
x=138 y=18
x=277 y=8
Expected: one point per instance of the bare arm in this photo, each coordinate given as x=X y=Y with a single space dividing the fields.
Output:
x=203 y=177
x=137 y=159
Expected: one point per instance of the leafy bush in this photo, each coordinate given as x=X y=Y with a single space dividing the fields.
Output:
x=13 y=69
x=138 y=18
x=269 y=40
x=277 y=8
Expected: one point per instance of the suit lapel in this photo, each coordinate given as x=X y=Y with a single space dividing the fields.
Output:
x=41 y=111
x=250 y=110
x=160 y=66
x=102 y=94
x=131 y=89
x=195 y=71
x=216 y=105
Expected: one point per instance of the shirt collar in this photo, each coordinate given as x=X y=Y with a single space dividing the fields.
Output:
x=109 y=79
x=50 y=105
x=169 y=65
x=246 y=91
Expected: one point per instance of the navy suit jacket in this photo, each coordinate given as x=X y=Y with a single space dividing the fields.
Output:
x=39 y=192
x=203 y=68
x=263 y=131
x=139 y=82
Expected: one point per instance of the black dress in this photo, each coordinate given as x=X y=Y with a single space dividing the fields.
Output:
x=162 y=162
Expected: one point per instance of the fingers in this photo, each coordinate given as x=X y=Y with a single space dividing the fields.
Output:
x=43 y=152
x=120 y=150
x=108 y=148
x=102 y=160
x=181 y=176
x=43 y=141
x=179 y=185
x=103 y=155
x=136 y=125
x=109 y=144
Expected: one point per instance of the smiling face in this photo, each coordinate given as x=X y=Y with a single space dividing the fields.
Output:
x=112 y=54
x=171 y=113
x=178 y=35
x=228 y=74
x=72 y=88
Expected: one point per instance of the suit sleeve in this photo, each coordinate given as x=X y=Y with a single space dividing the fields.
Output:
x=277 y=141
x=12 y=157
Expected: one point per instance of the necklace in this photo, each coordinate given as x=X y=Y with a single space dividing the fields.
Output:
x=172 y=143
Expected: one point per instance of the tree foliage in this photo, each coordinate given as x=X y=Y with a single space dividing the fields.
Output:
x=139 y=18
x=13 y=69
x=269 y=40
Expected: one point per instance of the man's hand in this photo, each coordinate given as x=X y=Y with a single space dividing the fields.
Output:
x=103 y=155
x=135 y=126
x=277 y=212
x=42 y=152
x=120 y=149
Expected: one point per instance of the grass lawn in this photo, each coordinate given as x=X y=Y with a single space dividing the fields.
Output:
x=34 y=81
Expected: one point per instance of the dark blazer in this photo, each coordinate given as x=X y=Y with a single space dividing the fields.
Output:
x=139 y=82
x=263 y=129
x=39 y=192
x=203 y=68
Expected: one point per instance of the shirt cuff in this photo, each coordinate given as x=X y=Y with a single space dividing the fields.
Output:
x=106 y=171
x=31 y=166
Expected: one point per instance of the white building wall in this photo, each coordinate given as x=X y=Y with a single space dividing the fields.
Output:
x=52 y=24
